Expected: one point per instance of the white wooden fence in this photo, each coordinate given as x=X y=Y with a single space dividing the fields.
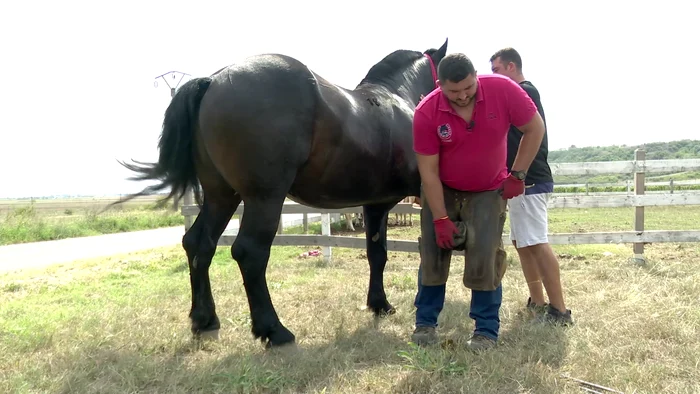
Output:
x=637 y=235
x=628 y=186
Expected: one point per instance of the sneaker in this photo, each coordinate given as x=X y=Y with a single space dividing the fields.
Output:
x=480 y=342
x=557 y=317
x=424 y=336
x=534 y=309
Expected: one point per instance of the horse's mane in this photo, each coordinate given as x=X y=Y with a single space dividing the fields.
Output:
x=396 y=62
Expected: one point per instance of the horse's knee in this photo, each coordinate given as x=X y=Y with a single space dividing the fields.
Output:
x=190 y=241
x=246 y=251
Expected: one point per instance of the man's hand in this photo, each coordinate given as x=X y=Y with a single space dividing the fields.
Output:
x=445 y=230
x=512 y=187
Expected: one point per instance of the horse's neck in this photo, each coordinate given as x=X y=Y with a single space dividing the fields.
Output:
x=404 y=94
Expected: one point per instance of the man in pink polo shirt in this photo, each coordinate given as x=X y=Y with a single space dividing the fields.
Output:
x=460 y=138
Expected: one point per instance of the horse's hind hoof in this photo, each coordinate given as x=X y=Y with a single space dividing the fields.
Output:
x=288 y=347
x=278 y=338
x=211 y=335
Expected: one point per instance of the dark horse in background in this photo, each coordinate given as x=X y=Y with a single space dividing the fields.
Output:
x=269 y=128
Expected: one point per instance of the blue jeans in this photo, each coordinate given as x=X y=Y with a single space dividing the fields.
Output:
x=484 y=309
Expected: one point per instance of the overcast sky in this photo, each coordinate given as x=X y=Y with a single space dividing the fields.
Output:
x=78 y=89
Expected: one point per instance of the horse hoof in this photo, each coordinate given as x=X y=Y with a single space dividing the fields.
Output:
x=278 y=338
x=288 y=347
x=211 y=335
x=383 y=311
x=387 y=312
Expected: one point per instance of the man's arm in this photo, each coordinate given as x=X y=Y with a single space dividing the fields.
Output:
x=525 y=116
x=427 y=148
x=432 y=186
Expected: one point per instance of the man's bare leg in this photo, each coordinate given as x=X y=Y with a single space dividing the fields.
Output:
x=542 y=256
x=531 y=272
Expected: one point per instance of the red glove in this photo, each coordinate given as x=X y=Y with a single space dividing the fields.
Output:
x=512 y=187
x=444 y=232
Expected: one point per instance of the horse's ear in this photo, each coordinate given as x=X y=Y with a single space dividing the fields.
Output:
x=440 y=53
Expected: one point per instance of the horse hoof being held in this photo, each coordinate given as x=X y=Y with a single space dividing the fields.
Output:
x=269 y=128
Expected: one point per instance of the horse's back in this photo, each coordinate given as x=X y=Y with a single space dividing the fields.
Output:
x=262 y=86
x=257 y=117
x=271 y=113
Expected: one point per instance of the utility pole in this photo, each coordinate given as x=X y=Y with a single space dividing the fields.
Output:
x=172 y=94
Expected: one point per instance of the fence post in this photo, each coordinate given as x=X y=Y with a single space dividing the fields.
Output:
x=188 y=200
x=326 y=230
x=639 y=165
x=306 y=223
x=670 y=185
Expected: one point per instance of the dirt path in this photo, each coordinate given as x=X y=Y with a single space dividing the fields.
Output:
x=41 y=254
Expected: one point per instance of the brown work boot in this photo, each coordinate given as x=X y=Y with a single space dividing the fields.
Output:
x=424 y=336
x=480 y=342
x=555 y=316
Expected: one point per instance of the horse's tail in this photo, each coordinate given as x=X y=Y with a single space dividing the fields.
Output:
x=175 y=167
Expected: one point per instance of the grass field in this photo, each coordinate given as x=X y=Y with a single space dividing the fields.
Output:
x=119 y=325
x=44 y=220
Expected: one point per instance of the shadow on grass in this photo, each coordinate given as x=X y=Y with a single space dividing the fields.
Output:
x=375 y=356
x=525 y=354
x=372 y=356
x=188 y=366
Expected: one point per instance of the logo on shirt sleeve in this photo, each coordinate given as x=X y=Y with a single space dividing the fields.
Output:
x=445 y=132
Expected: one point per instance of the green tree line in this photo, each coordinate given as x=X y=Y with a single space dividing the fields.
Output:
x=682 y=149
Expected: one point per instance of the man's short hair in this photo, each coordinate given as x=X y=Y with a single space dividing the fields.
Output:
x=455 y=67
x=508 y=55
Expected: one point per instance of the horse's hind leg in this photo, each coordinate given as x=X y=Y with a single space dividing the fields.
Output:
x=376 y=219
x=252 y=251
x=200 y=245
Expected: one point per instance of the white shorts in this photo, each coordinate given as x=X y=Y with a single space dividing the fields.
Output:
x=528 y=219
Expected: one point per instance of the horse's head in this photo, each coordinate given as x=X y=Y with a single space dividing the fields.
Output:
x=410 y=74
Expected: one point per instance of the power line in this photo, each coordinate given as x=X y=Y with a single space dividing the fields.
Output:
x=176 y=200
x=174 y=74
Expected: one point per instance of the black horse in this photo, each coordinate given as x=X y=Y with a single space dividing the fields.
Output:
x=269 y=128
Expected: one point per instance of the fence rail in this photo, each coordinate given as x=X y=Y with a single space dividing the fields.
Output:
x=639 y=165
x=556 y=200
x=636 y=236
x=398 y=245
x=670 y=183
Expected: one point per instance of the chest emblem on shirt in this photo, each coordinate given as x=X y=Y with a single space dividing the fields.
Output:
x=445 y=131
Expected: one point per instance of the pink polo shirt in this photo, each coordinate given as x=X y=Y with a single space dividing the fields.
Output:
x=472 y=157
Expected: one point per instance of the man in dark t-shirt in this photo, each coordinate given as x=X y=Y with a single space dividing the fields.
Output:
x=528 y=212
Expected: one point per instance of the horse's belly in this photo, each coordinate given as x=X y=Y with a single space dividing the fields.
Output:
x=356 y=185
